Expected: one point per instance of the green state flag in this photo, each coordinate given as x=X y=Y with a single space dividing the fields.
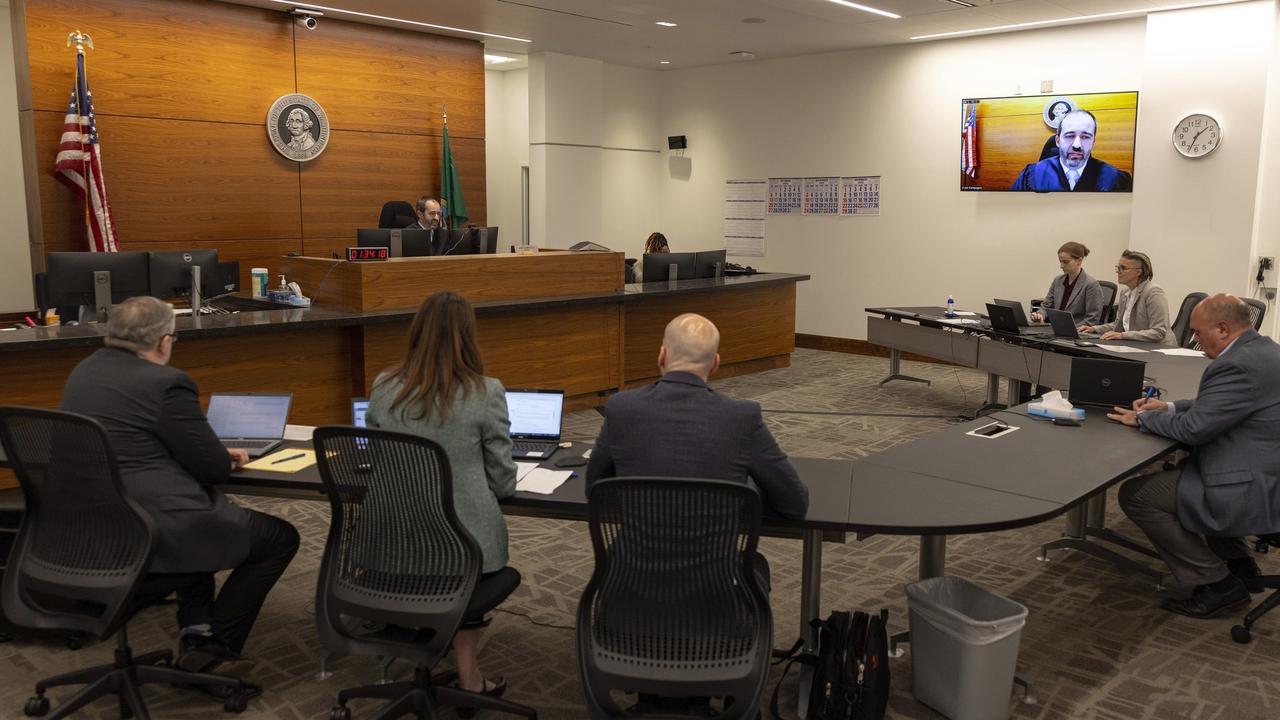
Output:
x=455 y=208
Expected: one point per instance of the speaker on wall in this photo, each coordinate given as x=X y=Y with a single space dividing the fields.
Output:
x=677 y=142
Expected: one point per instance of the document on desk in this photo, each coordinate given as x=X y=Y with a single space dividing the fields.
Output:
x=288 y=460
x=1182 y=352
x=299 y=433
x=523 y=468
x=1122 y=348
x=542 y=481
x=960 y=321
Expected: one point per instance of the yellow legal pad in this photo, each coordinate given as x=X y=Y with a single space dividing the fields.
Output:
x=299 y=459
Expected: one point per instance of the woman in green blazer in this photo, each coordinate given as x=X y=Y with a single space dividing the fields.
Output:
x=439 y=391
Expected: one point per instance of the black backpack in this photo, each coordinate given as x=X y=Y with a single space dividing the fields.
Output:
x=850 y=671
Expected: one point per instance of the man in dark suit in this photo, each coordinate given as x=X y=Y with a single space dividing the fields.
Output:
x=1073 y=168
x=171 y=464
x=1230 y=485
x=679 y=427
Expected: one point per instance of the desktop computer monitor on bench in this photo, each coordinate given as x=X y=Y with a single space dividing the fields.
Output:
x=709 y=263
x=656 y=266
x=96 y=279
x=409 y=242
x=174 y=274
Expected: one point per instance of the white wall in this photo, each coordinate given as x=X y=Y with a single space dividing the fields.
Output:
x=15 y=248
x=1196 y=218
x=506 y=148
x=893 y=112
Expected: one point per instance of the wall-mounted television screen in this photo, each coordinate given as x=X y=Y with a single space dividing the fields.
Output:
x=1049 y=143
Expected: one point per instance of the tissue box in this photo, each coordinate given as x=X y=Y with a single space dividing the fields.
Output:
x=1039 y=410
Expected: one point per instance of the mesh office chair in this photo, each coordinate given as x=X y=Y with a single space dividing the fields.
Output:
x=397 y=556
x=397 y=214
x=1182 y=324
x=673 y=607
x=1108 y=300
x=1243 y=633
x=1257 y=310
x=80 y=558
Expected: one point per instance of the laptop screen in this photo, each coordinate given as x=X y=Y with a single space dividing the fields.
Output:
x=535 y=414
x=359 y=406
x=236 y=415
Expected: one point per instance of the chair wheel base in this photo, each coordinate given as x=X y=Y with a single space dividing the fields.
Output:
x=1241 y=634
x=235 y=703
x=340 y=712
x=36 y=706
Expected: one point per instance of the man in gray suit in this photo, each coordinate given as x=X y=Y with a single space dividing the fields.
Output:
x=1230 y=485
x=679 y=427
x=171 y=464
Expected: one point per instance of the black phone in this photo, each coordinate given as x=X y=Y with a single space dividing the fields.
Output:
x=991 y=430
x=574 y=461
x=1085 y=343
x=1066 y=422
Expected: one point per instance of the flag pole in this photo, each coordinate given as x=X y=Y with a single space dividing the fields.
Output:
x=80 y=40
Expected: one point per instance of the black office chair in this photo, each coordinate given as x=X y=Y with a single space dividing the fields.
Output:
x=1243 y=633
x=674 y=608
x=1181 y=328
x=397 y=214
x=398 y=559
x=80 y=558
x=1108 y=300
x=1257 y=310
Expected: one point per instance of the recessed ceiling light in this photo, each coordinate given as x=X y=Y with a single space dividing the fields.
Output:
x=294 y=3
x=664 y=62
x=1073 y=19
x=753 y=20
x=496 y=59
x=962 y=3
x=664 y=23
x=866 y=8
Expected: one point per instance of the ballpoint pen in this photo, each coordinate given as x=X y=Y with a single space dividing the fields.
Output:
x=287 y=459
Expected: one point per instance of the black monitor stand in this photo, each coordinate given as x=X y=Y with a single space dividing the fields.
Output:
x=195 y=291
x=102 y=293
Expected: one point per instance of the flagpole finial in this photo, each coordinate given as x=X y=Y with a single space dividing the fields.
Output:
x=80 y=40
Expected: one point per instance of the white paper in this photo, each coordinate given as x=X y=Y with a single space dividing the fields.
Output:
x=1184 y=352
x=860 y=195
x=1121 y=348
x=967 y=313
x=523 y=468
x=959 y=321
x=542 y=481
x=299 y=433
x=744 y=209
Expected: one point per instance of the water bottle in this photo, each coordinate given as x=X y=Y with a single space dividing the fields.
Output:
x=951 y=306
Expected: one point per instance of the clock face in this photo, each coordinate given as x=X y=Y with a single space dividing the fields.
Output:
x=1197 y=135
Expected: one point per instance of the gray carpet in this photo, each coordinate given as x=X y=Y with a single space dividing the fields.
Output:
x=1096 y=645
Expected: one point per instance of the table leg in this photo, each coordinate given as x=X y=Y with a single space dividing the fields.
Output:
x=993 y=397
x=895 y=366
x=810 y=608
x=1078 y=531
x=1095 y=526
x=933 y=556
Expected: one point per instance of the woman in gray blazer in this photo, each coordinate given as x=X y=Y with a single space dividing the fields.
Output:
x=439 y=391
x=1073 y=291
x=1142 y=310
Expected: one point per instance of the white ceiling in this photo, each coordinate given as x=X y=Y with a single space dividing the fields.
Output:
x=624 y=32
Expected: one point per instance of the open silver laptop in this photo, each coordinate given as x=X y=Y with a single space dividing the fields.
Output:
x=535 y=422
x=253 y=421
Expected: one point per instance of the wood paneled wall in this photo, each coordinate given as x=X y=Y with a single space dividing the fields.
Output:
x=181 y=91
x=1012 y=133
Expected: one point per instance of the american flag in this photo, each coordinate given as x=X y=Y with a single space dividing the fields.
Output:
x=79 y=164
x=969 y=141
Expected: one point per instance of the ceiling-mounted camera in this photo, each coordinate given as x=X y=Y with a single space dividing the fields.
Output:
x=307 y=18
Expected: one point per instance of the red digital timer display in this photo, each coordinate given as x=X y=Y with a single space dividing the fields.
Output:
x=365 y=254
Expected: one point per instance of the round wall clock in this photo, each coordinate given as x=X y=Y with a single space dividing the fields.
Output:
x=1197 y=135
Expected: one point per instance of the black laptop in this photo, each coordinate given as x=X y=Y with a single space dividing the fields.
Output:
x=1064 y=325
x=1003 y=320
x=1019 y=314
x=1097 y=382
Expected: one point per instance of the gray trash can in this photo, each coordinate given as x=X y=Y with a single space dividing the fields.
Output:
x=964 y=647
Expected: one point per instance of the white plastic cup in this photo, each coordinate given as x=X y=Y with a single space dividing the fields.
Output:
x=258 y=277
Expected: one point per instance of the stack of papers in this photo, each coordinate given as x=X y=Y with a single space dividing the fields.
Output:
x=1122 y=348
x=288 y=460
x=1184 y=352
x=540 y=480
x=960 y=321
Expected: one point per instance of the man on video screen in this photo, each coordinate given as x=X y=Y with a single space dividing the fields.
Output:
x=1074 y=169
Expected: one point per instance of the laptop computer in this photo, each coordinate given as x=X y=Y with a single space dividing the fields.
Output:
x=1064 y=325
x=1097 y=382
x=253 y=421
x=1018 y=313
x=359 y=406
x=1002 y=319
x=535 y=422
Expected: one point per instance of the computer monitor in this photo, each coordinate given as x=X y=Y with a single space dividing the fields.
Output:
x=407 y=242
x=229 y=277
x=487 y=241
x=96 y=279
x=705 y=262
x=656 y=270
x=171 y=273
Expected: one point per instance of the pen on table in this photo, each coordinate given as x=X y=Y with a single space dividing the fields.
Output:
x=287 y=459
